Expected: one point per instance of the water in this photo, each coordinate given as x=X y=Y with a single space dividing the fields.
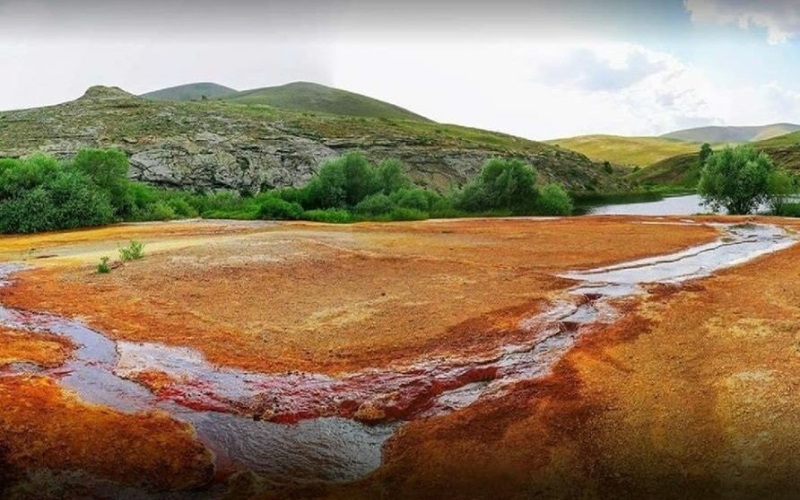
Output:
x=300 y=428
x=673 y=205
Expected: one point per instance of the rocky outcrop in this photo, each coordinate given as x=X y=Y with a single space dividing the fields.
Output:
x=216 y=145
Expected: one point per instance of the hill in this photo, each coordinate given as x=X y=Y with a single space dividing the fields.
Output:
x=626 y=151
x=190 y=92
x=315 y=98
x=215 y=144
x=722 y=135
x=683 y=170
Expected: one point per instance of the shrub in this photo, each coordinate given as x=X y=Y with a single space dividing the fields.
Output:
x=342 y=182
x=790 y=210
x=275 y=208
x=413 y=198
x=134 y=251
x=160 y=211
x=108 y=169
x=391 y=177
x=331 y=215
x=375 y=205
x=736 y=179
x=38 y=194
x=182 y=208
x=103 y=267
x=401 y=214
x=780 y=185
x=553 y=200
x=502 y=185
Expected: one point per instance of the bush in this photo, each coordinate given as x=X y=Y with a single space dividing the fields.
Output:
x=39 y=194
x=553 y=200
x=330 y=215
x=391 y=177
x=134 y=251
x=275 y=208
x=736 y=179
x=375 y=205
x=780 y=186
x=401 y=214
x=413 y=198
x=103 y=267
x=342 y=182
x=182 y=208
x=108 y=170
x=502 y=185
x=790 y=210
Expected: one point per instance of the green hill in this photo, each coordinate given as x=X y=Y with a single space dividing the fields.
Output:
x=190 y=92
x=723 y=135
x=682 y=170
x=216 y=144
x=312 y=97
x=626 y=151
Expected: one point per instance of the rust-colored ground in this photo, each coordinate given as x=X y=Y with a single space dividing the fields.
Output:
x=693 y=394
x=43 y=428
x=37 y=348
x=332 y=298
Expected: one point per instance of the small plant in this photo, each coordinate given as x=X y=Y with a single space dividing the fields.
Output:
x=134 y=251
x=103 y=267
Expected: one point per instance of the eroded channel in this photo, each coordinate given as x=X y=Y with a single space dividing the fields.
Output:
x=295 y=428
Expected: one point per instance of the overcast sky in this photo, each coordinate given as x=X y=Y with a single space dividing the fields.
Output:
x=536 y=69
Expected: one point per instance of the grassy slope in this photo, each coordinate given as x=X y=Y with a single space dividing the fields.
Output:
x=114 y=118
x=312 y=97
x=682 y=170
x=720 y=135
x=626 y=151
x=190 y=92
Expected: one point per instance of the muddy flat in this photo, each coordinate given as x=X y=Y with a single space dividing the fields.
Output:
x=434 y=352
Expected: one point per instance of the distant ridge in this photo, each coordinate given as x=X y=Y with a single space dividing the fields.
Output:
x=190 y=92
x=313 y=97
x=733 y=134
x=297 y=96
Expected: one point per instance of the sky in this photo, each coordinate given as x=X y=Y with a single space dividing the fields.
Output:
x=540 y=70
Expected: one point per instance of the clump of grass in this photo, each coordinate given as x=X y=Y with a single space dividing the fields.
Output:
x=134 y=251
x=103 y=267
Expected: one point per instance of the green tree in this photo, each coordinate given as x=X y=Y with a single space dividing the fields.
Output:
x=736 y=178
x=780 y=186
x=502 y=185
x=342 y=182
x=553 y=200
x=705 y=152
x=108 y=169
x=391 y=177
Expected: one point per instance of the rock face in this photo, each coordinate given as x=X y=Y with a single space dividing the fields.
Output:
x=216 y=145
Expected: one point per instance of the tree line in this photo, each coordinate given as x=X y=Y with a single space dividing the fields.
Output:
x=41 y=193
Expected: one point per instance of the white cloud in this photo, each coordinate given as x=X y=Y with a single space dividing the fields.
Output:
x=781 y=18
x=543 y=91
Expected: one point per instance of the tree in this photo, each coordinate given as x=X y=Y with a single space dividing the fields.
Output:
x=502 y=185
x=553 y=200
x=736 y=178
x=780 y=186
x=705 y=152
x=108 y=169
x=342 y=182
